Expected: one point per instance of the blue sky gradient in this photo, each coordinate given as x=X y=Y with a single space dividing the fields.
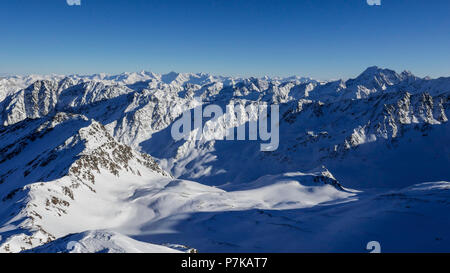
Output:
x=324 y=39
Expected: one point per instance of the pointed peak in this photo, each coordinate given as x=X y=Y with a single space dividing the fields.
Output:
x=375 y=71
x=407 y=73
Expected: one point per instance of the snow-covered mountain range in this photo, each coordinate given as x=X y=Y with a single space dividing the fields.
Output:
x=88 y=164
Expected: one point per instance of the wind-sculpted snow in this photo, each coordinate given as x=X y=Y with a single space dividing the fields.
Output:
x=212 y=220
x=101 y=242
x=407 y=220
x=75 y=159
x=140 y=206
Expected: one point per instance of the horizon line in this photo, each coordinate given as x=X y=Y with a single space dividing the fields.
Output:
x=275 y=77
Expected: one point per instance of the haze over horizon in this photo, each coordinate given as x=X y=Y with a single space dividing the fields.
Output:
x=216 y=75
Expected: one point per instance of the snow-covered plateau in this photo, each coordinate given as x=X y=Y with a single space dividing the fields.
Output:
x=88 y=164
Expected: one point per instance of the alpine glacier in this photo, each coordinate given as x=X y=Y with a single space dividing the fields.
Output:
x=88 y=164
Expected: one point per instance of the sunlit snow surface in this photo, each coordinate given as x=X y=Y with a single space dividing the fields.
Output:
x=350 y=168
x=210 y=220
x=101 y=242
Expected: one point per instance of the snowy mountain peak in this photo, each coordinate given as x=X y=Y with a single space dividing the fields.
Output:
x=378 y=77
x=47 y=164
x=75 y=157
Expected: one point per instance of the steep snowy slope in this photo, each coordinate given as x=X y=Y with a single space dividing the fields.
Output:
x=89 y=181
x=11 y=84
x=59 y=170
x=65 y=174
x=158 y=207
x=380 y=114
x=398 y=138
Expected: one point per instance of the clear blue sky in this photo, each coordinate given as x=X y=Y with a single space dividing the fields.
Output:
x=319 y=38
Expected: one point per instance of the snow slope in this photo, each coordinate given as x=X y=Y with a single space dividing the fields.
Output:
x=58 y=170
x=413 y=219
x=407 y=220
x=100 y=242
x=75 y=161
